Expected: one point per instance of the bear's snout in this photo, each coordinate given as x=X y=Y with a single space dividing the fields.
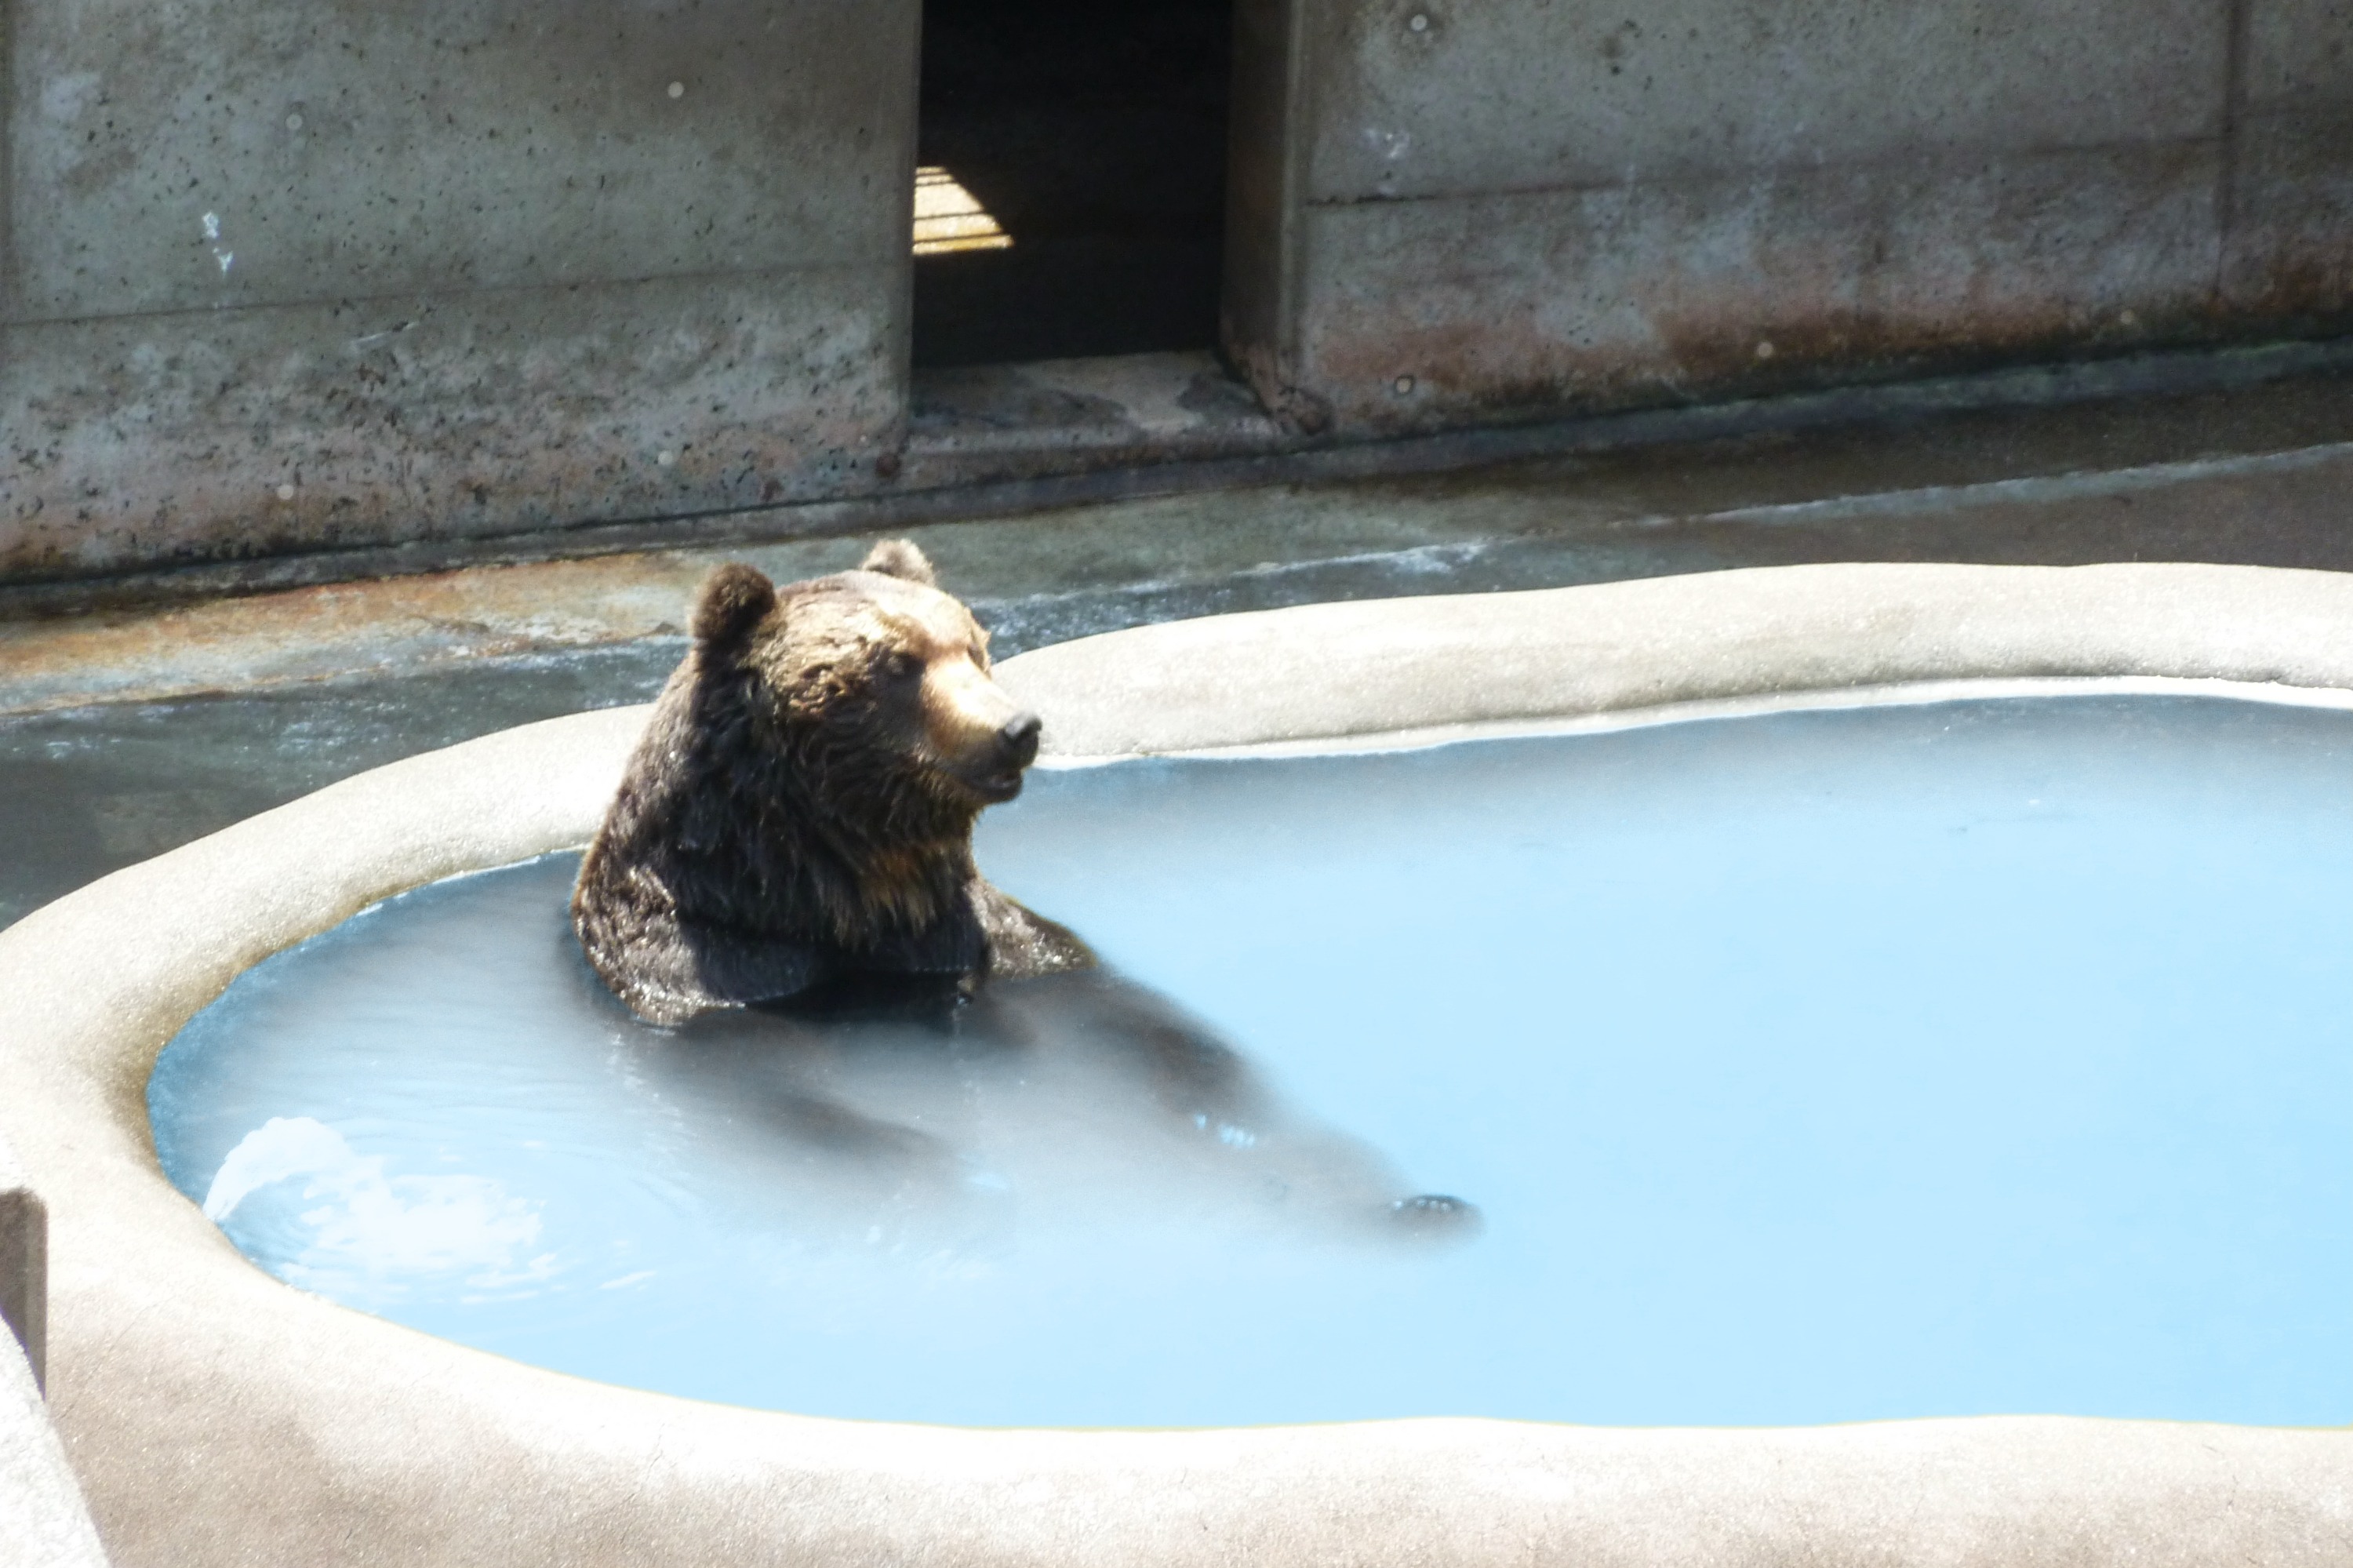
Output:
x=1012 y=747
x=980 y=737
x=1019 y=738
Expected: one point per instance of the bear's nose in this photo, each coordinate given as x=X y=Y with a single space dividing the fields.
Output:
x=1019 y=738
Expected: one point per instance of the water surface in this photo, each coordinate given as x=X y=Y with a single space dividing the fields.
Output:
x=1988 y=1056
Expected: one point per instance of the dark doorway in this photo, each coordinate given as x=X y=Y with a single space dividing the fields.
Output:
x=1072 y=196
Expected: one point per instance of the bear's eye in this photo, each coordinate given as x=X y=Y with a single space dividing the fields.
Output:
x=902 y=666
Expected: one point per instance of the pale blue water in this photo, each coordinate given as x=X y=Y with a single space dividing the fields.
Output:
x=1986 y=1056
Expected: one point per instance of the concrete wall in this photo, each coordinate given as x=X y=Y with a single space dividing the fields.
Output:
x=292 y=273
x=280 y=275
x=1451 y=210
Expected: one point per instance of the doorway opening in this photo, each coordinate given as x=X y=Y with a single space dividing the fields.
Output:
x=1071 y=189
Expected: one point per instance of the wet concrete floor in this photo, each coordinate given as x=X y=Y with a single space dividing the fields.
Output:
x=127 y=733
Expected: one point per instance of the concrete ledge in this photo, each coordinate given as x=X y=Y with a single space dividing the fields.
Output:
x=218 y=1417
x=24 y=1263
x=1332 y=670
x=43 y=1523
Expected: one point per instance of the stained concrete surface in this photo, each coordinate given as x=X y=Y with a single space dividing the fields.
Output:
x=1449 y=213
x=1579 y=96
x=979 y=424
x=443 y=148
x=465 y=272
x=127 y=733
x=280 y=276
x=1003 y=441
x=485 y=411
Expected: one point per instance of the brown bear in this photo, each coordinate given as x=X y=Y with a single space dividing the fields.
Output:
x=786 y=870
x=800 y=810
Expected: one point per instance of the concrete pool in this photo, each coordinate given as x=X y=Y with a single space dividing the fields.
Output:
x=1972 y=1058
x=313 y=1434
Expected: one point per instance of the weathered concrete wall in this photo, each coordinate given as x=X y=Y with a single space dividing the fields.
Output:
x=2288 y=220
x=1461 y=210
x=280 y=275
x=284 y=274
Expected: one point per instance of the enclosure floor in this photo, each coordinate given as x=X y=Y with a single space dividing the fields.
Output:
x=127 y=733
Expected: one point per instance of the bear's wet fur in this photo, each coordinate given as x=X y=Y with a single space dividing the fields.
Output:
x=788 y=859
x=800 y=808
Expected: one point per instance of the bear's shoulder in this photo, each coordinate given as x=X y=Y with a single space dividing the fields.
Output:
x=1023 y=943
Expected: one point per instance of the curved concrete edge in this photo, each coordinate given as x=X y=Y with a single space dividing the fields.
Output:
x=1329 y=671
x=1911 y=693
x=24 y=1263
x=43 y=1523
x=217 y=1416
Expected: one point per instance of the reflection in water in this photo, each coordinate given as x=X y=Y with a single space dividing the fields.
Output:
x=887 y=1108
x=438 y=1112
x=910 y=1094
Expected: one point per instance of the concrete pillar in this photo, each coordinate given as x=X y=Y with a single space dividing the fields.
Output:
x=1459 y=211
x=286 y=275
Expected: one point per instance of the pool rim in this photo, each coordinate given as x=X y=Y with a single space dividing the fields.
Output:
x=216 y=1414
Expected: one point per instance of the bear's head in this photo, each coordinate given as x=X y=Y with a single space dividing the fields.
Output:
x=871 y=687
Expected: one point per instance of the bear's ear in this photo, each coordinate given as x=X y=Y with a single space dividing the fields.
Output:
x=899 y=558
x=732 y=600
